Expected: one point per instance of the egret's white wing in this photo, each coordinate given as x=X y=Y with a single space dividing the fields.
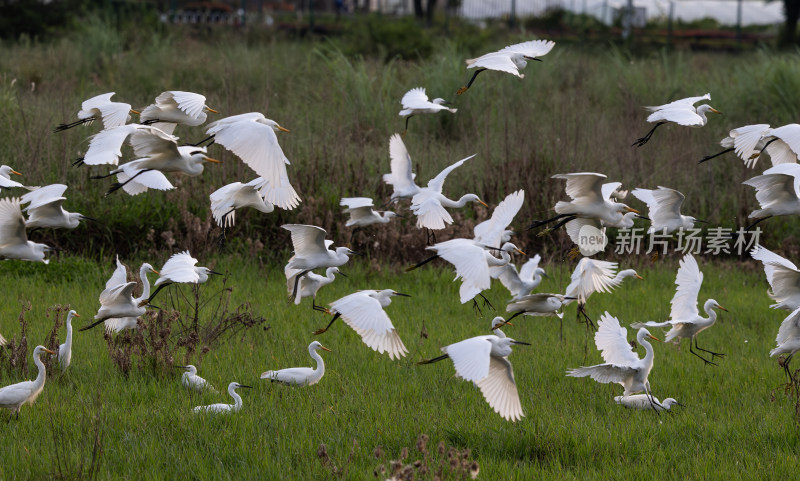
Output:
x=529 y=268
x=778 y=184
x=284 y=196
x=639 y=325
x=44 y=195
x=688 y=280
x=500 y=390
x=7 y=183
x=584 y=185
x=592 y=275
x=366 y=316
x=782 y=275
x=12 y=224
x=105 y=147
x=681 y=115
x=151 y=179
x=509 y=277
x=401 y=176
x=686 y=103
x=745 y=140
x=437 y=182
x=94 y=103
x=357 y=213
x=222 y=201
x=604 y=373
x=356 y=202
x=416 y=98
x=118 y=324
x=469 y=261
x=51 y=210
x=790 y=135
x=429 y=210
x=190 y=103
x=471 y=357
x=179 y=268
x=490 y=232
x=612 y=342
x=609 y=188
x=149 y=141
x=574 y=226
x=120 y=276
x=308 y=240
x=119 y=295
x=495 y=61
x=790 y=328
x=664 y=204
x=531 y=49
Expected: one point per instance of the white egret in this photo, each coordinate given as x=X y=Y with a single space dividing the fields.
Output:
x=782 y=144
x=362 y=213
x=180 y=268
x=65 y=349
x=591 y=199
x=363 y=311
x=176 y=107
x=226 y=199
x=14 y=396
x=252 y=138
x=681 y=112
x=14 y=243
x=538 y=305
x=415 y=102
x=100 y=107
x=428 y=204
x=522 y=283
x=311 y=251
x=788 y=339
x=117 y=301
x=224 y=408
x=783 y=277
x=777 y=192
x=484 y=361
x=120 y=276
x=191 y=380
x=310 y=284
x=685 y=320
x=46 y=209
x=641 y=401
x=665 y=210
x=592 y=275
x=622 y=365
x=510 y=59
x=748 y=142
x=493 y=232
x=401 y=177
x=472 y=262
x=5 y=181
x=300 y=376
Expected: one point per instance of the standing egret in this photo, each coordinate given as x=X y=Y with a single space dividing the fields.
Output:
x=191 y=380
x=311 y=251
x=685 y=320
x=591 y=199
x=252 y=138
x=415 y=102
x=14 y=243
x=681 y=112
x=484 y=361
x=224 y=408
x=401 y=177
x=112 y=114
x=747 y=141
x=117 y=300
x=777 y=192
x=783 y=277
x=592 y=275
x=65 y=349
x=428 y=204
x=641 y=401
x=300 y=376
x=14 y=396
x=180 y=268
x=362 y=213
x=622 y=365
x=226 y=199
x=510 y=59
x=310 y=284
x=363 y=311
x=522 y=283
x=176 y=107
x=46 y=209
x=5 y=181
x=665 y=210
x=788 y=340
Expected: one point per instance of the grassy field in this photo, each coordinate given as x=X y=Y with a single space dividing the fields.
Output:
x=730 y=427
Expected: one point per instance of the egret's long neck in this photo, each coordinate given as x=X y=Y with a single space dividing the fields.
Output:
x=499 y=333
x=330 y=275
x=145 y=282
x=712 y=314
x=68 y=340
x=456 y=204
x=39 y=381
x=319 y=370
x=237 y=400
x=505 y=258
x=648 y=348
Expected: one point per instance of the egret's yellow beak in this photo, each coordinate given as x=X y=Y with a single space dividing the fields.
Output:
x=638 y=276
x=156 y=272
x=211 y=110
x=48 y=351
x=722 y=308
x=282 y=129
x=76 y=315
x=136 y=112
x=714 y=110
x=628 y=209
x=481 y=202
x=654 y=338
x=15 y=172
x=325 y=348
x=209 y=159
x=501 y=325
x=520 y=252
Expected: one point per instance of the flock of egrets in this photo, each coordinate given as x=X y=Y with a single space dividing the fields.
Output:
x=477 y=260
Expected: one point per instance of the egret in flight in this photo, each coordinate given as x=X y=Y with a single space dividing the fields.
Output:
x=300 y=376
x=228 y=198
x=777 y=192
x=176 y=107
x=180 y=268
x=522 y=283
x=783 y=277
x=14 y=243
x=415 y=102
x=510 y=59
x=46 y=209
x=310 y=284
x=224 y=408
x=14 y=396
x=311 y=251
x=112 y=114
x=362 y=213
x=681 y=112
x=747 y=141
x=685 y=320
x=117 y=301
x=401 y=177
x=664 y=206
x=592 y=275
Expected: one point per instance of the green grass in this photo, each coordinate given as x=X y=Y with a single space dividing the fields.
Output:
x=729 y=429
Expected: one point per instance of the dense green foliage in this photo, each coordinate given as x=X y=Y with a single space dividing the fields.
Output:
x=729 y=428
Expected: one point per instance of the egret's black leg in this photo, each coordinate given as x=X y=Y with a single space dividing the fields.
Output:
x=198 y=144
x=486 y=302
x=420 y=264
x=95 y=177
x=756 y=222
x=476 y=307
x=93 y=324
x=589 y=322
x=765 y=147
x=407 y=119
x=562 y=222
x=78 y=162
x=435 y=359
x=116 y=185
x=650 y=398
x=150 y=121
x=297 y=282
x=643 y=140
x=713 y=354
x=63 y=127
x=153 y=295
x=540 y=223
x=221 y=240
x=709 y=157
x=469 y=84
x=698 y=355
x=352 y=234
x=320 y=331
x=318 y=308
